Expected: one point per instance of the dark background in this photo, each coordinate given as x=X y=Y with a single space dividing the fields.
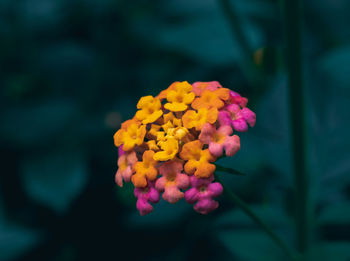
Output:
x=72 y=71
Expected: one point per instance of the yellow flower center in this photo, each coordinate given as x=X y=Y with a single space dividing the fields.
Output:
x=179 y=98
x=123 y=165
x=218 y=138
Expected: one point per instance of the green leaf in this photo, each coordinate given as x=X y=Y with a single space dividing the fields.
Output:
x=164 y=214
x=229 y=170
x=328 y=132
x=14 y=239
x=56 y=178
x=36 y=124
x=331 y=251
x=272 y=215
x=214 y=45
x=336 y=66
x=250 y=245
x=245 y=235
x=335 y=214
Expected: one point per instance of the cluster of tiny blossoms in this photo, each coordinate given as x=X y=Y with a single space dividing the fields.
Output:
x=171 y=143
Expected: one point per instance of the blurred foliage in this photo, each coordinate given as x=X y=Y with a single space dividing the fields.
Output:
x=72 y=71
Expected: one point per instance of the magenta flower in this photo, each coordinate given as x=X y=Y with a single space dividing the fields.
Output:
x=145 y=196
x=237 y=117
x=235 y=98
x=202 y=193
x=125 y=162
x=220 y=139
x=121 y=151
x=172 y=181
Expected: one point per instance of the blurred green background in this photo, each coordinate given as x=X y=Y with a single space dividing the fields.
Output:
x=72 y=71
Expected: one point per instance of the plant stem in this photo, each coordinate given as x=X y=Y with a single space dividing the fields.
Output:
x=252 y=73
x=242 y=205
x=293 y=30
x=236 y=28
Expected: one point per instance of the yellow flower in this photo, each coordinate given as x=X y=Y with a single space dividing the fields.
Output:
x=178 y=133
x=171 y=117
x=169 y=149
x=172 y=128
x=161 y=136
x=150 y=109
x=180 y=97
x=193 y=119
x=152 y=145
x=152 y=133
x=170 y=121
x=133 y=135
x=145 y=169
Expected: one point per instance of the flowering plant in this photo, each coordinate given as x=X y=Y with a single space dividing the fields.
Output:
x=173 y=140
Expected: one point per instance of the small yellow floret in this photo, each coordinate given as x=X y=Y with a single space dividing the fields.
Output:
x=169 y=149
x=193 y=119
x=150 y=109
x=133 y=135
x=180 y=97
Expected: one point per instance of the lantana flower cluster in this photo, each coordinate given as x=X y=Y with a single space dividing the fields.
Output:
x=169 y=147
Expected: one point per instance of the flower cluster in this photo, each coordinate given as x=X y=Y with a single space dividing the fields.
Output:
x=171 y=143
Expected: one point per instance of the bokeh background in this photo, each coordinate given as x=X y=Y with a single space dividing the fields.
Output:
x=72 y=71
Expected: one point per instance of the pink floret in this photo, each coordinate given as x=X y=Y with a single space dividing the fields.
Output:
x=236 y=117
x=144 y=197
x=201 y=194
x=209 y=135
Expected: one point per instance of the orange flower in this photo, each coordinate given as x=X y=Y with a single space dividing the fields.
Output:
x=179 y=98
x=131 y=136
x=212 y=99
x=193 y=119
x=162 y=95
x=127 y=123
x=150 y=109
x=197 y=159
x=146 y=169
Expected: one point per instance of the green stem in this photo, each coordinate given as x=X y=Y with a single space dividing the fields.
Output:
x=229 y=170
x=236 y=28
x=252 y=73
x=242 y=205
x=293 y=32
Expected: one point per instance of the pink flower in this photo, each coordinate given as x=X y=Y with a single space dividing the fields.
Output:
x=220 y=139
x=233 y=115
x=121 y=151
x=125 y=166
x=144 y=196
x=202 y=192
x=235 y=98
x=199 y=87
x=172 y=181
